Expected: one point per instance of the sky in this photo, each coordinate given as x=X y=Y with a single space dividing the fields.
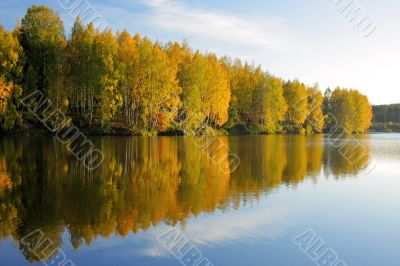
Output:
x=347 y=43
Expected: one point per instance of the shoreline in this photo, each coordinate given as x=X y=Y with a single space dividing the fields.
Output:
x=123 y=132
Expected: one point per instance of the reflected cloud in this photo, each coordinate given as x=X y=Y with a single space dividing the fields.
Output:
x=255 y=224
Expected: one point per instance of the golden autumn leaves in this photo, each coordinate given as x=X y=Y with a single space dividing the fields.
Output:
x=108 y=81
x=5 y=93
x=148 y=86
x=10 y=69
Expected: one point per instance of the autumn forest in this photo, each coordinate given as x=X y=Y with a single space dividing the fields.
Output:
x=120 y=83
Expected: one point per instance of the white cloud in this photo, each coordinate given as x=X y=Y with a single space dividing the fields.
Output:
x=257 y=32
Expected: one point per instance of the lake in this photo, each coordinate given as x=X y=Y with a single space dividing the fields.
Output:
x=240 y=200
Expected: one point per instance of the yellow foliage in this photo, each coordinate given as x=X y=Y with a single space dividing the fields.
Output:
x=5 y=93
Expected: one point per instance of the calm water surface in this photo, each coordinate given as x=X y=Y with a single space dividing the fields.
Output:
x=284 y=186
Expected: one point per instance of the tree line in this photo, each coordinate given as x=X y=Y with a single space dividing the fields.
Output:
x=386 y=113
x=108 y=82
x=386 y=118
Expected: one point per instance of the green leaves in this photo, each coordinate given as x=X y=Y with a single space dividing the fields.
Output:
x=42 y=38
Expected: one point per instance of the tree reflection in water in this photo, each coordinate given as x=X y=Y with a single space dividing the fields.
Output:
x=146 y=181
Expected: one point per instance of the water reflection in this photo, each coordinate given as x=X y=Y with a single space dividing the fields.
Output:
x=146 y=181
